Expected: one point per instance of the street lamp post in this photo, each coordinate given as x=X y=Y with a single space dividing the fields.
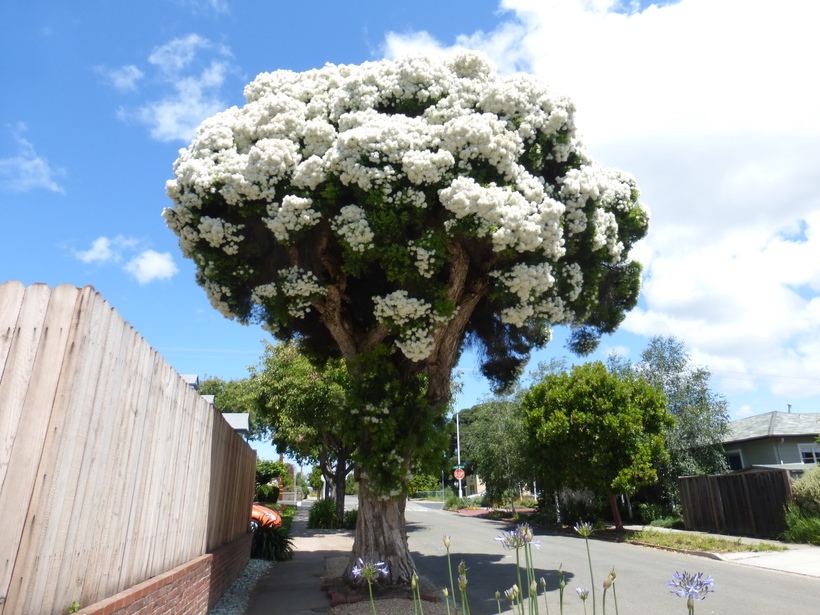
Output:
x=458 y=453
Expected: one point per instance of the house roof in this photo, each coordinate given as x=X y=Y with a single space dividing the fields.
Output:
x=240 y=421
x=774 y=424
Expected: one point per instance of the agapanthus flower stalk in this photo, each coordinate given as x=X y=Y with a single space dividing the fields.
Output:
x=692 y=587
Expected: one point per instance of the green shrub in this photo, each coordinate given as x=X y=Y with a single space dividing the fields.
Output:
x=806 y=492
x=322 y=515
x=267 y=493
x=453 y=502
x=527 y=502
x=652 y=511
x=351 y=517
x=669 y=522
x=271 y=543
x=801 y=527
x=423 y=482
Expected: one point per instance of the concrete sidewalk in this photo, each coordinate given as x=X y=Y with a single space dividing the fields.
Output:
x=295 y=587
x=798 y=559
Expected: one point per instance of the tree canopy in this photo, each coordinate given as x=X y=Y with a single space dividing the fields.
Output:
x=386 y=212
x=494 y=442
x=591 y=429
x=701 y=415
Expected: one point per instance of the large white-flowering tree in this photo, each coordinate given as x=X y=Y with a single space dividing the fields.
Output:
x=386 y=213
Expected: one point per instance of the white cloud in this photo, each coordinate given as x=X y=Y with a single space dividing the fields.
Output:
x=711 y=104
x=146 y=266
x=27 y=170
x=150 y=265
x=123 y=79
x=105 y=250
x=177 y=54
x=192 y=70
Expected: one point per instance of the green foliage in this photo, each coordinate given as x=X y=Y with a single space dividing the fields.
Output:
x=74 y=607
x=350 y=519
x=266 y=471
x=801 y=527
x=271 y=543
x=268 y=494
x=806 y=492
x=453 y=502
x=701 y=416
x=494 y=442
x=351 y=485
x=423 y=482
x=590 y=429
x=315 y=479
x=652 y=511
x=322 y=515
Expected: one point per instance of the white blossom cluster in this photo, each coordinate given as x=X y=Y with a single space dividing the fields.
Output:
x=300 y=285
x=292 y=214
x=507 y=216
x=351 y=226
x=425 y=259
x=220 y=233
x=414 y=317
x=455 y=119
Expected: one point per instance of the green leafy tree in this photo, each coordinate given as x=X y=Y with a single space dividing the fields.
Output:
x=304 y=410
x=695 y=442
x=267 y=471
x=591 y=429
x=315 y=479
x=495 y=443
x=383 y=214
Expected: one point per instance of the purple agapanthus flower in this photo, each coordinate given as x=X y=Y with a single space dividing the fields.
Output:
x=368 y=570
x=517 y=538
x=691 y=586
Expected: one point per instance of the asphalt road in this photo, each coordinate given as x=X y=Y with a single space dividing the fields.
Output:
x=642 y=573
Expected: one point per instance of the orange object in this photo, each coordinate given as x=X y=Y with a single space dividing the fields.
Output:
x=262 y=515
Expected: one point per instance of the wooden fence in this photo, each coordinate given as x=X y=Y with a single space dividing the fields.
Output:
x=743 y=504
x=112 y=468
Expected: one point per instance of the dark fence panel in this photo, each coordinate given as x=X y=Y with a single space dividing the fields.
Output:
x=744 y=504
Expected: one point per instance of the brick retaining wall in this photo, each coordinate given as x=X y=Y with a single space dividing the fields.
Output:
x=190 y=589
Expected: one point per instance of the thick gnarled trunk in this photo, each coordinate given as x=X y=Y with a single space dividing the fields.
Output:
x=381 y=537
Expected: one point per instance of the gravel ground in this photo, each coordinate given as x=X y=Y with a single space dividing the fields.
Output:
x=235 y=600
x=334 y=567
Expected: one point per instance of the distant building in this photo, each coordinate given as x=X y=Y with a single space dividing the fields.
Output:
x=774 y=439
x=240 y=421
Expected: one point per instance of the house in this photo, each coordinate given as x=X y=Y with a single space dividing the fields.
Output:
x=781 y=439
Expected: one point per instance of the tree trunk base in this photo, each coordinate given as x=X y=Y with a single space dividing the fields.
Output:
x=381 y=537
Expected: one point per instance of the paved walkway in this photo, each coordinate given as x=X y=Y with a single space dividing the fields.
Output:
x=295 y=587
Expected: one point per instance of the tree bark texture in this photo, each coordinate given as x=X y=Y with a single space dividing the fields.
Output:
x=381 y=537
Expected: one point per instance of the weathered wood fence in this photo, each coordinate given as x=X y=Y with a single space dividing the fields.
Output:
x=743 y=504
x=112 y=468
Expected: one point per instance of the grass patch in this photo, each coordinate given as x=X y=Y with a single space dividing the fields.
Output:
x=696 y=542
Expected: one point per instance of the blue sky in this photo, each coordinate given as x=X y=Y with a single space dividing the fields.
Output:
x=712 y=105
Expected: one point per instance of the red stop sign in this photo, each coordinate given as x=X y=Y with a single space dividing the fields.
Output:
x=459 y=473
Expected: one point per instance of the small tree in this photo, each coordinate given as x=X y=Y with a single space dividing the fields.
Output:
x=695 y=442
x=303 y=409
x=590 y=429
x=384 y=213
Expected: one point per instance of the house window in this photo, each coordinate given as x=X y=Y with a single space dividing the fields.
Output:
x=734 y=460
x=810 y=453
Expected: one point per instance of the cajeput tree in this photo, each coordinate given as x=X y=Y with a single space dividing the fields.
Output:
x=386 y=213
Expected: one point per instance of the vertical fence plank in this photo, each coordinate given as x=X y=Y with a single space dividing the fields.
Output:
x=11 y=299
x=129 y=471
x=19 y=517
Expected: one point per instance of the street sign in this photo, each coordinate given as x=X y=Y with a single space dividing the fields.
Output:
x=459 y=473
